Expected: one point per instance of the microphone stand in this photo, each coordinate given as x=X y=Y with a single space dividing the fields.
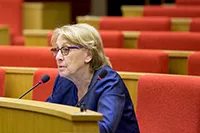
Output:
x=29 y=90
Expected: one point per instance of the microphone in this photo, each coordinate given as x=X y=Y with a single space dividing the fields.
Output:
x=43 y=80
x=102 y=74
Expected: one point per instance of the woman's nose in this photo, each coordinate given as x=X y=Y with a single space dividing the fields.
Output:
x=59 y=56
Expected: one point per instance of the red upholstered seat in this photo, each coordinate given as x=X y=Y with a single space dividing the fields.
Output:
x=2 y=82
x=11 y=15
x=132 y=60
x=168 y=104
x=169 y=40
x=49 y=37
x=111 y=39
x=195 y=25
x=43 y=91
x=193 y=64
x=135 y=24
x=20 y=56
x=172 y=11
x=187 y=2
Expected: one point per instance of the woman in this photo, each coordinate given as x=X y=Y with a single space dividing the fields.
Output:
x=78 y=50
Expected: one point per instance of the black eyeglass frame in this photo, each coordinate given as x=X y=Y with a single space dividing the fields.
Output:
x=64 y=50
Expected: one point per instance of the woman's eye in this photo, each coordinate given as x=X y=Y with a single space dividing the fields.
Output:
x=65 y=50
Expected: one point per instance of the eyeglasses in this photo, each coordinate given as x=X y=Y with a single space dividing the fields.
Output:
x=64 y=50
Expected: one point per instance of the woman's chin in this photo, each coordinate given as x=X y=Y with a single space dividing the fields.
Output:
x=63 y=73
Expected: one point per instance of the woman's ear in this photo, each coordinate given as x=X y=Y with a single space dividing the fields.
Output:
x=88 y=57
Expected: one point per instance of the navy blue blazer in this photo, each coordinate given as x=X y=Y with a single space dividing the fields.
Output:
x=109 y=97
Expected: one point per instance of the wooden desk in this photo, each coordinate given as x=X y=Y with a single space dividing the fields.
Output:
x=92 y=20
x=26 y=116
x=4 y=35
x=18 y=81
x=46 y=15
x=130 y=39
x=36 y=37
x=180 y=24
x=178 y=61
x=131 y=81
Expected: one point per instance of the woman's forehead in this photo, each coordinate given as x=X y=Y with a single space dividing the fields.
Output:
x=60 y=42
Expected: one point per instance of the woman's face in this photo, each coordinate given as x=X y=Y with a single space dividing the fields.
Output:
x=74 y=63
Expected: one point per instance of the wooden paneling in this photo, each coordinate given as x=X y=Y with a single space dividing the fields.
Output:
x=4 y=35
x=18 y=81
x=46 y=15
x=36 y=37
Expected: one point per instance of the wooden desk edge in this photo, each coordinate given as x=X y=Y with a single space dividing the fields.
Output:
x=62 y=111
x=131 y=34
x=93 y=18
x=132 y=7
x=4 y=27
x=178 y=53
x=36 y=32
x=27 y=70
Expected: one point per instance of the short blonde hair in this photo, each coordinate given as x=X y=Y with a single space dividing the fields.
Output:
x=86 y=36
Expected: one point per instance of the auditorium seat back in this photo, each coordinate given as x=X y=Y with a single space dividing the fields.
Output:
x=42 y=92
x=169 y=41
x=135 y=24
x=2 y=82
x=187 y=2
x=11 y=15
x=132 y=60
x=172 y=11
x=193 y=64
x=49 y=38
x=195 y=25
x=111 y=39
x=20 y=56
x=167 y=104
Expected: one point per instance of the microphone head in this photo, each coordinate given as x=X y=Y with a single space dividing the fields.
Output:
x=102 y=74
x=44 y=79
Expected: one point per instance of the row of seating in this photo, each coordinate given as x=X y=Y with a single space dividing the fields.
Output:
x=173 y=97
x=122 y=59
x=187 y=2
x=139 y=24
x=169 y=41
x=174 y=44
x=178 y=45
x=117 y=23
x=168 y=11
x=19 y=79
x=188 y=41
x=38 y=37
x=17 y=15
x=156 y=61
x=142 y=23
x=111 y=39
